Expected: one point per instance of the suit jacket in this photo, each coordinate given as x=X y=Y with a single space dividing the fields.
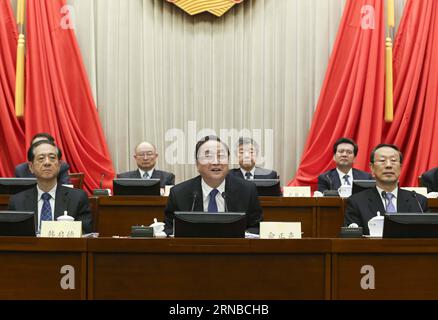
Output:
x=22 y=171
x=329 y=180
x=75 y=201
x=166 y=178
x=363 y=206
x=259 y=173
x=241 y=196
x=429 y=179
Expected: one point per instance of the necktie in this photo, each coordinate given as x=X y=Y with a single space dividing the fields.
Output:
x=212 y=205
x=389 y=205
x=248 y=175
x=347 y=180
x=146 y=175
x=46 y=210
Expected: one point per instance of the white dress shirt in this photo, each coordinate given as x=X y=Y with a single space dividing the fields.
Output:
x=341 y=177
x=150 y=172
x=206 y=189
x=52 y=192
x=384 y=200
x=252 y=173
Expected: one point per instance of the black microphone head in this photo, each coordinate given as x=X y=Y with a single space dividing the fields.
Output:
x=224 y=195
x=384 y=194
x=414 y=194
x=195 y=195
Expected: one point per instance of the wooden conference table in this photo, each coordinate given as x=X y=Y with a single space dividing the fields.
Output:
x=108 y=268
x=319 y=217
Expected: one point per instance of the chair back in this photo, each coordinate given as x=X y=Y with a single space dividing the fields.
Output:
x=77 y=179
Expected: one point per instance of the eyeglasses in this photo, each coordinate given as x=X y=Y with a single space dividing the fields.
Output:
x=145 y=154
x=209 y=158
x=383 y=161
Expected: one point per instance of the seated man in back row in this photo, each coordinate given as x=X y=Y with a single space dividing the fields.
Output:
x=49 y=199
x=146 y=157
x=248 y=151
x=385 y=163
x=345 y=152
x=429 y=180
x=22 y=170
x=214 y=191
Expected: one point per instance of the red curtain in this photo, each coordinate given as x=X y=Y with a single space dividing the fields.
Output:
x=58 y=95
x=352 y=96
x=416 y=89
x=11 y=133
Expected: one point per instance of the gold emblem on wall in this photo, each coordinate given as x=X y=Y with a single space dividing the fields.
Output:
x=216 y=7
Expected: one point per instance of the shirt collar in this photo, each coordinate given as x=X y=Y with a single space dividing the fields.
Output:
x=206 y=189
x=244 y=172
x=394 y=192
x=349 y=174
x=150 y=172
x=52 y=192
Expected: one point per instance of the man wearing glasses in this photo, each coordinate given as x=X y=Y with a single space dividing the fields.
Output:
x=146 y=157
x=214 y=191
x=385 y=163
x=248 y=151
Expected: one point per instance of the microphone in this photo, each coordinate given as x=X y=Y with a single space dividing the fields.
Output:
x=414 y=194
x=224 y=195
x=101 y=191
x=195 y=195
x=101 y=180
x=330 y=181
x=384 y=198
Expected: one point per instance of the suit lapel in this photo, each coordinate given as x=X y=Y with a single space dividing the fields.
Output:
x=199 y=201
x=239 y=173
x=375 y=202
x=31 y=204
x=335 y=178
x=232 y=195
x=137 y=174
x=156 y=175
x=61 y=201
x=403 y=202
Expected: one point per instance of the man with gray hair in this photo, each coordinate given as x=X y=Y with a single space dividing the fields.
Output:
x=248 y=151
x=146 y=157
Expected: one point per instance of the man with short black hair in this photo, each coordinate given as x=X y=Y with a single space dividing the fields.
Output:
x=214 y=191
x=48 y=199
x=344 y=154
x=22 y=170
x=248 y=151
x=386 y=164
x=146 y=158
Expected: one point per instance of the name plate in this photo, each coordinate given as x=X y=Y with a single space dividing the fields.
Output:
x=280 y=230
x=296 y=192
x=61 y=229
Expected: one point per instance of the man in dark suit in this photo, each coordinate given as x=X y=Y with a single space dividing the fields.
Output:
x=48 y=199
x=146 y=157
x=22 y=170
x=385 y=163
x=345 y=152
x=214 y=191
x=429 y=179
x=248 y=151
